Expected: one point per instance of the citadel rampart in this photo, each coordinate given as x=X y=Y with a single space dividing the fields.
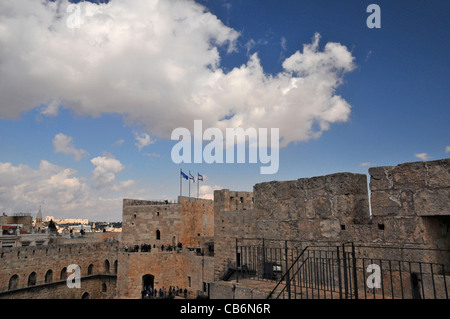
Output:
x=26 y=270
x=185 y=222
x=409 y=203
x=189 y=222
x=408 y=218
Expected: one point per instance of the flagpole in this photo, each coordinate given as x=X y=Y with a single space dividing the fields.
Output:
x=189 y=180
x=198 y=183
x=181 y=177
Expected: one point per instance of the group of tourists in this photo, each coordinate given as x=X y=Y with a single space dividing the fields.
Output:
x=146 y=248
x=178 y=247
x=163 y=293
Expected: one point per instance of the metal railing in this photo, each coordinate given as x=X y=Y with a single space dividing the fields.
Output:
x=344 y=271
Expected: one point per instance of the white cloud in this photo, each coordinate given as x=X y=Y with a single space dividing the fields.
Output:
x=57 y=189
x=366 y=164
x=124 y=185
x=423 y=156
x=64 y=194
x=143 y=140
x=158 y=64
x=156 y=155
x=51 y=108
x=119 y=142
x=447 y=149
x=207 y=191
x=105 y=170
x=283 y=43
x=64 y=144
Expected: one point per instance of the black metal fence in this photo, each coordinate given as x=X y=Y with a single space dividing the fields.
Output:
x=344 y=271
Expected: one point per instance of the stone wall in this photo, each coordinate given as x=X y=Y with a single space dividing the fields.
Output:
x=21 y=262
x=325 y=208
x=190 y=221
x=409 y=203
x=185 y=222
x=411 y=189
x=185 y=269
x=320 y=208
x=91 y=287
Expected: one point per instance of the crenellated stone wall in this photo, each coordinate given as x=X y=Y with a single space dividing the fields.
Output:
x=411 y=189
x=190 y=222
x=21 y=262
x=409 y=202
x=187 y=222
x=409 y=205
x=185 y=269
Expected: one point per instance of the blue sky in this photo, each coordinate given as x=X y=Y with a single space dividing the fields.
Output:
x=396 y=87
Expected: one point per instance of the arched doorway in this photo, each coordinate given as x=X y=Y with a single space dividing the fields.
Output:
x=48 y=276
x=90 y=269
x=32 y=279
x=63 y=275
x=106 y=266
x=148 y=281
x=13 y=282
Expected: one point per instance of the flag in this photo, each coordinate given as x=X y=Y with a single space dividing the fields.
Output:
x=191 y=177
x=184 y=175
x=200 y=177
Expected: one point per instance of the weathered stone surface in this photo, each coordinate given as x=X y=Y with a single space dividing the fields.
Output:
x=381 y=178
x=409 y=175
x=22 y=261
x=432 y=202
x=330 y=228
x=438 y=173
x=180 y=222
x=385 y=203
x=322 y=207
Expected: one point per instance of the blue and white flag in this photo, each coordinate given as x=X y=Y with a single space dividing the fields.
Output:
x=184 y=175
x=199 y=177
x=191 y=177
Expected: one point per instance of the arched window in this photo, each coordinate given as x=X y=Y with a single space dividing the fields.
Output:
x=13 y=282
x=104 y=288
x=116 y=266
x=32 y=279
x=85 y=296
x=90 y=269
x=158 y=234
x=63 y=275
x=48 y=276
x=106 y=266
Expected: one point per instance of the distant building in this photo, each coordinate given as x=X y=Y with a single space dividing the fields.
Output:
x=38 y=222
x=67 y=220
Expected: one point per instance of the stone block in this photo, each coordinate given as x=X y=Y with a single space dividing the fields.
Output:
x=432 y=202
x=386 y=203
x=438 y=173
x=381 y=178
x=409 y=175
x=330 y=228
